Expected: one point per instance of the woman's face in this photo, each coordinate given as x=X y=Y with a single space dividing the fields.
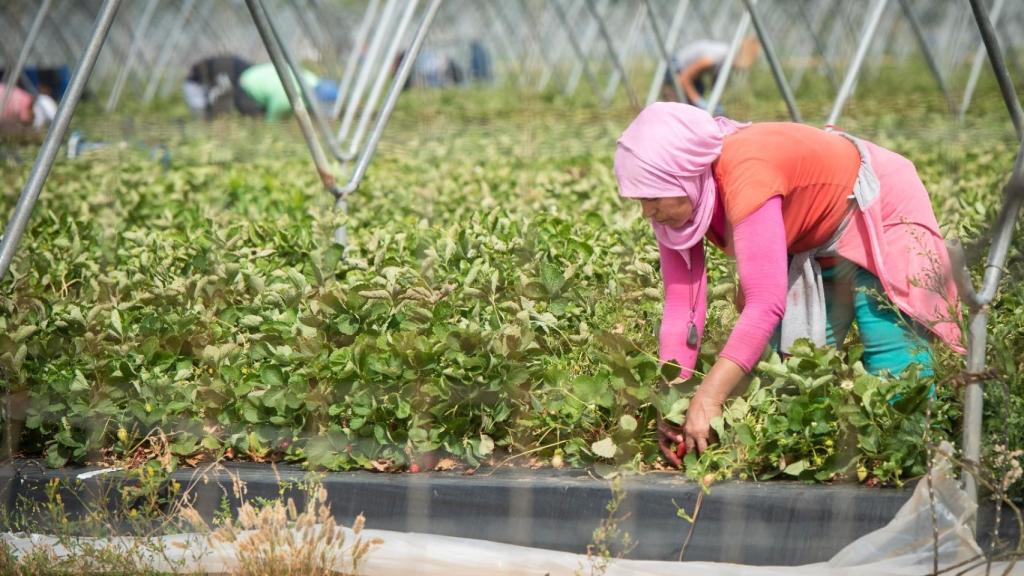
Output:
x=673 y=211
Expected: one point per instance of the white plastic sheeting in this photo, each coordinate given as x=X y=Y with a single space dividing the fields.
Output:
x=905 y=546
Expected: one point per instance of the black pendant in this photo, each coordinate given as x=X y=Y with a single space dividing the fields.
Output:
x=691 y=336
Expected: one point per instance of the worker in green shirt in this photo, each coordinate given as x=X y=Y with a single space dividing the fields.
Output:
x=262 y=84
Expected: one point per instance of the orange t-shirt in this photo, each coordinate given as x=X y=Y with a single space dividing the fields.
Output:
x=812 y=170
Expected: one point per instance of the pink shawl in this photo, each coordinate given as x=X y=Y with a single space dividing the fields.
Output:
x=667 y=151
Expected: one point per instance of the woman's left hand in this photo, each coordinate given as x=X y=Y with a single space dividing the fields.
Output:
x=697 y=431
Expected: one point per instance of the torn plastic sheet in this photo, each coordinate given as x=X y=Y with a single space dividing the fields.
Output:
x=100 y=472
x=905 y=546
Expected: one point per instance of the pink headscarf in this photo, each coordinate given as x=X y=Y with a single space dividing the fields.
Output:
x=667 y=151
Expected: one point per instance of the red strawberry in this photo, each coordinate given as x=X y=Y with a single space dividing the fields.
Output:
x=414 y=468
x=681 y=449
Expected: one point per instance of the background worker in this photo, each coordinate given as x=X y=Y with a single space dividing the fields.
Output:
x=825 y=229
x=24 y=110
x=697 y=65
x=263 y=86
x=212 y=87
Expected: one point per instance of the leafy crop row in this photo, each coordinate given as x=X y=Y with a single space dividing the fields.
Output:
x=498 y=299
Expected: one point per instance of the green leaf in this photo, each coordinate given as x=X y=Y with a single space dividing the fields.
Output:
x=552 y=279
x=211 y=443
x=744 y=434
x=54 y=459
x=271 y=376
x=677 y=412
x=185 y=445
x=24 y=333
x=79 y=383
x=627 y=423
x=250 y=321
x=604 y=448
x=486 y=445
x=795 y=468
x=251 y=414
x=670 y=371
x=594 y=390
x=115 y=321
x=718 y=425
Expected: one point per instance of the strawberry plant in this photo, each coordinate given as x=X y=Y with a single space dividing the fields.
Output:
x=498 y=299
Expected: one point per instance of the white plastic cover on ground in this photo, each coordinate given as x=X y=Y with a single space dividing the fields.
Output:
x=903 y=547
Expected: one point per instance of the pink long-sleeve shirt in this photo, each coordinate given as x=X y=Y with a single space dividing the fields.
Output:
x=19 y=106
x=759 y=244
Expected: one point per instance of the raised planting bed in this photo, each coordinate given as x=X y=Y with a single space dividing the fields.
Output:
x=760 y=523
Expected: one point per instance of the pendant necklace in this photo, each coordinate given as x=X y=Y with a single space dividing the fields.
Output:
x=691 y=332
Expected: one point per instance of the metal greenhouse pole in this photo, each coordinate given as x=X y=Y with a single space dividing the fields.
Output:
x=19 y=64
x=723 y=74
x=870 y=27
x=581 y=55
x=773 y=61
x=200 y=19
x=341 y=203
x=514 y=32
x=7 y=60
x=929 y=58
x=663 y=50
x=534 y=39
x=585 y=42
x=612 y=53
x=995 y=56
x=114 y=47
x=979 y=62
x=489 y=17
x=635 y=26
x=312 y=29
x=55 y=136
x=353 y=56
x=560 y=44
x=126 y=67
x=665 y=62
x=170 y=46
x=67 y=37
x=263 y=25
x=57 y=31
x=383 y=73
x=1012 y=54
x=322 y=125
x=977 y=302
x=814 y=30
x=395 y=90
x=363 y=79
x=294 y=91
x=555 y=43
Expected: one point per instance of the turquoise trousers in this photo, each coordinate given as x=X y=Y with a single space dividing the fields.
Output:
x=891 y=341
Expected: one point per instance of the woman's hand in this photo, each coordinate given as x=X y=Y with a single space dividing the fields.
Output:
x=670 y=440
x=697 y=431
